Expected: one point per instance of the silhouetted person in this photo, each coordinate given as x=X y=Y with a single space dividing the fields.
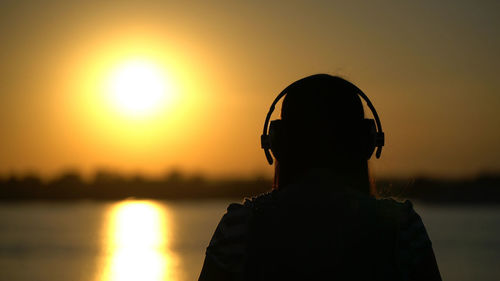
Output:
x=321 y=221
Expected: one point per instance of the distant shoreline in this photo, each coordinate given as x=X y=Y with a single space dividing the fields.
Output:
x=484 y=189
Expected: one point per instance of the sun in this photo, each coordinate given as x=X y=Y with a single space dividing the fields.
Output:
x=138 y=87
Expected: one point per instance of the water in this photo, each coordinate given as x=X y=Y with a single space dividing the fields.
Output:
x=466 y=240
x=163 y=240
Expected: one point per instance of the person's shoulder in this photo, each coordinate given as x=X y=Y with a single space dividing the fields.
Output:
x=261 y=201
x=400 y=211
x=227 y=247
x=410 y=222
x=413 y=242
x=237 y=213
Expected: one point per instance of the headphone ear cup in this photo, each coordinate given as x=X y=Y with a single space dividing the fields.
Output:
x=276 y=138
x=369 y=136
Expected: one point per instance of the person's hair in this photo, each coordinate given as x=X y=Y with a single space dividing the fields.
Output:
x=322 y=117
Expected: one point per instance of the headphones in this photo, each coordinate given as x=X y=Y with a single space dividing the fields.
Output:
x=374 y=133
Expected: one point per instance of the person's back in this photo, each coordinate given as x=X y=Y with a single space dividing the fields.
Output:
x=321 y=221
x=333 y=233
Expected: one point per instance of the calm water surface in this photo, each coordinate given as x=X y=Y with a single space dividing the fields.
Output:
x=163 y=240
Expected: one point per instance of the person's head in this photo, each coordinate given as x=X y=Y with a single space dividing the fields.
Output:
x=322 y=127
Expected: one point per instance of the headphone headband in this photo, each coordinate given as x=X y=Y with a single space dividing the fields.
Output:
x=266 y=143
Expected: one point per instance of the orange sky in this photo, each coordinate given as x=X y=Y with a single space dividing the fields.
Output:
x=429 y=68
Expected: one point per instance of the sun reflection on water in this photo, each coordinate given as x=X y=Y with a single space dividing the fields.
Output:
x=137 y=243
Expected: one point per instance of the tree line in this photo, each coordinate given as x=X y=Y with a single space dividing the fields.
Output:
x=107 y=185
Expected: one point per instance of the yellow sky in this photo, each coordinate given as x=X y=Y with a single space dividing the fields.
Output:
x=429 y=68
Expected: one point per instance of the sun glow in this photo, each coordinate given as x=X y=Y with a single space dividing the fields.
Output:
x=139 y=88
x=138 y=104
